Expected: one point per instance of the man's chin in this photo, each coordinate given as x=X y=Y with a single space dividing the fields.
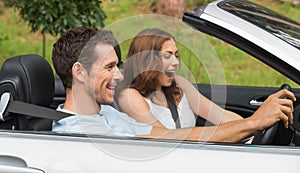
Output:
x=107 y=101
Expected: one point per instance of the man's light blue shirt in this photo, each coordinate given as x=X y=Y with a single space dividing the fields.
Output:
x=110 y=122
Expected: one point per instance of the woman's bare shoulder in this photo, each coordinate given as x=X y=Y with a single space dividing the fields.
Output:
x=130 y=92
x=183 y=83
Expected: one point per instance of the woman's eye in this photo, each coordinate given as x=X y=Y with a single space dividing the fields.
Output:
x=167 y=56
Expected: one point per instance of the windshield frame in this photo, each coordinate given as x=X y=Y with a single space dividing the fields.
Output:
x=268 y=20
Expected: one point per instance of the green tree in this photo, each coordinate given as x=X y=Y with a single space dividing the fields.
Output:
x=57 y=16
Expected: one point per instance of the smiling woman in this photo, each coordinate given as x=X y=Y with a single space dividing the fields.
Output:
x=169 y=101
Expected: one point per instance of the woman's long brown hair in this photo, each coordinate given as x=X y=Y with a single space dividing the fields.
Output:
x=143 y=65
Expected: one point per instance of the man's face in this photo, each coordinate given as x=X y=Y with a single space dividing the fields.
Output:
x=104 y=74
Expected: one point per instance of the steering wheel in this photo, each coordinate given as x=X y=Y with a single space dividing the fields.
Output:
x=267 y=136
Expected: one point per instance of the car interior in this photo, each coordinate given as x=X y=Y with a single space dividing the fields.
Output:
x=30 y=79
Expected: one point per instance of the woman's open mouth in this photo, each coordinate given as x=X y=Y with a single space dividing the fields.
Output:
x=169 y=73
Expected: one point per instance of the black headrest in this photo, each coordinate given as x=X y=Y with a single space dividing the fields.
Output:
x=28 y=78
x=118 y=52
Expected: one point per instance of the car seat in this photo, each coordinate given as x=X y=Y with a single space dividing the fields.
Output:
x=28 y=78
x=59 y=93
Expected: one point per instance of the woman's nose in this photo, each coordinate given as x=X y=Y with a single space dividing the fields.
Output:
x=175 y=61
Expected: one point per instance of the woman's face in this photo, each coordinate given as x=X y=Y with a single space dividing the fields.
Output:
x=170 y=55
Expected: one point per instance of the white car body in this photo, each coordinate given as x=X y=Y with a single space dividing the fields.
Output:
x=48 y=152
x=66 y=154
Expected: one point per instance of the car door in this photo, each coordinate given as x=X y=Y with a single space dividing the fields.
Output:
x=37 y=152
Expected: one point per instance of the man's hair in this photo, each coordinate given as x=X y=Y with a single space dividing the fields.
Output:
x=78 y=45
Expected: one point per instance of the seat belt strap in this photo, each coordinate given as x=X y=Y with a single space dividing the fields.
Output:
x=174 y=113
x=24 y=108
x=7 y=105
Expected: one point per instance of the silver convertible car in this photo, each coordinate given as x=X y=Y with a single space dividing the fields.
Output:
x=30 y=93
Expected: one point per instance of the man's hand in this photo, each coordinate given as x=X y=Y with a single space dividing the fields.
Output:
x=275 y=108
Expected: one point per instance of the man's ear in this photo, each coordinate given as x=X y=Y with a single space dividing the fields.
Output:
x=78 y=72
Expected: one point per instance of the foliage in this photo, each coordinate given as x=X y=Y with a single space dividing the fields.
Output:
x=193 y=3
x=56 y=16
x=1 y=7
x=16 y=39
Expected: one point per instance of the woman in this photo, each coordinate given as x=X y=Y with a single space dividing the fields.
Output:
x=150 y=93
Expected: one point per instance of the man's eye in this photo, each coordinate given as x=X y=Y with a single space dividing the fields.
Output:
x=111 y=66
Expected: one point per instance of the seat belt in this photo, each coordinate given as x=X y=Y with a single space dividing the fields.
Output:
x=174 y=113
x=23 y=108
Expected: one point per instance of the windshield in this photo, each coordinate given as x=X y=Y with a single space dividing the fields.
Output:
x=278 y=25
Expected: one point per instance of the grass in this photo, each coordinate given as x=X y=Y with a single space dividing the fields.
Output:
x=16 y=39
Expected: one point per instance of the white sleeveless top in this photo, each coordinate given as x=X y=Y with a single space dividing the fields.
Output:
x=163 y=114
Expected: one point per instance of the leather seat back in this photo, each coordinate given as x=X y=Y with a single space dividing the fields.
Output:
x=29 y=78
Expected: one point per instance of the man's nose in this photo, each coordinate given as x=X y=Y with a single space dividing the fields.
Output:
x=118 y=75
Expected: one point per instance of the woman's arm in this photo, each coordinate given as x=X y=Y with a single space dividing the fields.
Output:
x=204 y=107
x=135 y=105
x=274 y=109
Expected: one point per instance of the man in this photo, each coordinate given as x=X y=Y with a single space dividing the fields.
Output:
x=86 y=62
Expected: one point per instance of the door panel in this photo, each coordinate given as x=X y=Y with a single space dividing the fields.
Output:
x=70 y=154
x=12 y=164
x=238 y=98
